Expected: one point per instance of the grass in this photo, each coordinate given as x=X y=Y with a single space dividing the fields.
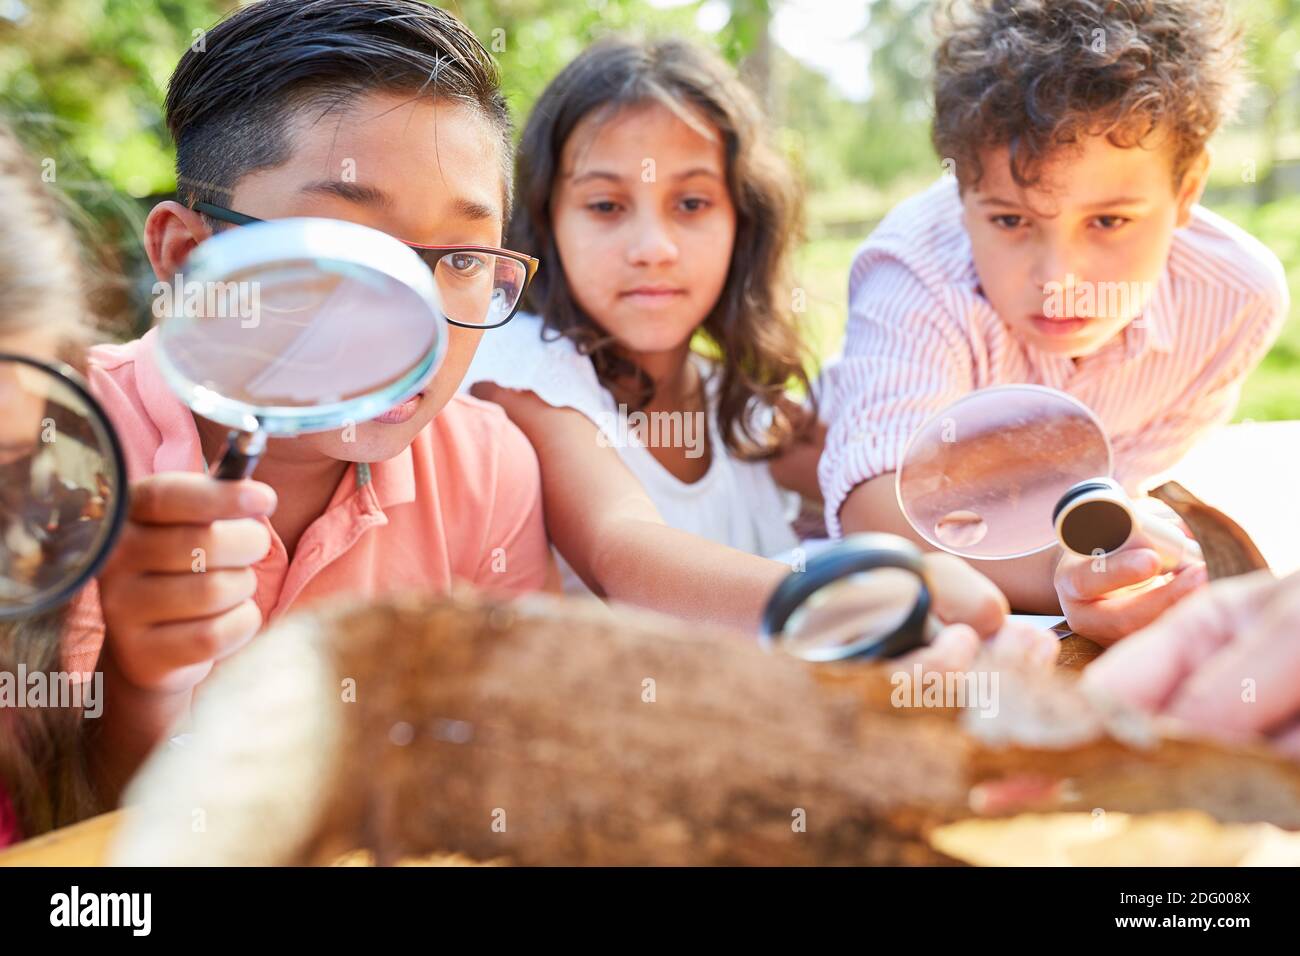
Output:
x=1271 y=392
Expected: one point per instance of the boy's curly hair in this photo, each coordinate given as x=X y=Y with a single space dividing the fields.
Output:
x=1039 y=75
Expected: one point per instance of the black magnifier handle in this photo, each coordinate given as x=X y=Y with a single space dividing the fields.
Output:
x=854 y=555
x=240 y=456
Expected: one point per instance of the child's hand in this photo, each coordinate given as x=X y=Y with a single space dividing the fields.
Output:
x=957 y=646
x=1093 y=591
x=975 y=611
x=961 y=595
x=1226 y=662
x=177 y=593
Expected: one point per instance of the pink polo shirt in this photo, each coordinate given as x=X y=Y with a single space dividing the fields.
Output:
x=462 y=503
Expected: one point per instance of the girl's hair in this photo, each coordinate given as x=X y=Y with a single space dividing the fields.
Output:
x=42 y=759
x=41 y=277
x=752 y=325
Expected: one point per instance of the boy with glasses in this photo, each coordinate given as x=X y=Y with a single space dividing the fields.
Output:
x=388 y=114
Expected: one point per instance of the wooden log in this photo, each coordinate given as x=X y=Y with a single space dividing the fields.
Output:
x=1228 y=549
x=549 y=731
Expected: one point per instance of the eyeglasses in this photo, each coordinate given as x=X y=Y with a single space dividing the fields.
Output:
x=480 y=287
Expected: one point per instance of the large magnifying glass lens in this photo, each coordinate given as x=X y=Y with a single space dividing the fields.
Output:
x=981 y=478
x=301 y=325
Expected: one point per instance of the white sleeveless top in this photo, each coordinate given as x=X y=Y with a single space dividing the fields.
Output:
x=736 y=503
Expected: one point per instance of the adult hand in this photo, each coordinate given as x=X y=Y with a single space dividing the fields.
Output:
x=1225 y=663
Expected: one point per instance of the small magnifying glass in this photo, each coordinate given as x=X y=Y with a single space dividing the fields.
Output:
x=864 y=597
x=1012 y=470
x=1097 y=517
x=62 y=486
x=298 y=326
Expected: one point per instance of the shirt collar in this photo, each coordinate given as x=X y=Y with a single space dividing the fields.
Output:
x=179 y=449
x=393 y=481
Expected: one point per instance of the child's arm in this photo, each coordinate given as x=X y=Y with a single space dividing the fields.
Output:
x=609 y=531
x=166 y=621
x=1027 y=582
x=603 y=522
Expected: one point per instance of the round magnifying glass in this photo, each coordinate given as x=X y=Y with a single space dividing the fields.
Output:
x=62 y=486
x=865 y=597
x=299 y=325
x=1012 y=470
x=980 y=478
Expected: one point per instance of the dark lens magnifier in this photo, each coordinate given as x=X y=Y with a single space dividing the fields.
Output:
x=865 y=597
x=62 y=486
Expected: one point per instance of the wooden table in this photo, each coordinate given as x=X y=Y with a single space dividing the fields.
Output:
x=82 y=844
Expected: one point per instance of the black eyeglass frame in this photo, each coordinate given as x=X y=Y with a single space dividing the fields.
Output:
x=530 y=263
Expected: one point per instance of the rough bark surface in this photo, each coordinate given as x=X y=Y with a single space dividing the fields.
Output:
x=550 y=732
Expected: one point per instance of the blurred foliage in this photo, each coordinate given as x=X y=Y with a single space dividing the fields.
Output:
x=534 y=39
x=83 y=80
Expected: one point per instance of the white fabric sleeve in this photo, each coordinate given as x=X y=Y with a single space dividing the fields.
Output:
x=516 y=356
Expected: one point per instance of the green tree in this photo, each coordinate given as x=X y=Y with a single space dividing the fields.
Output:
x=1273 y=44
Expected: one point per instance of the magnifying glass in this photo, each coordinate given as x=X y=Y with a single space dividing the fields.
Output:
x=299 y=325
x=1012 y=470
x=62 y=486
x=865 y=597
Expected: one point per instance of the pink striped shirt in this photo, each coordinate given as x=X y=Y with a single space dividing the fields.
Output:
x=921 y=334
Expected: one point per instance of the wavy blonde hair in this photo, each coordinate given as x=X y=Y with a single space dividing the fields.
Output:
x=43 y=765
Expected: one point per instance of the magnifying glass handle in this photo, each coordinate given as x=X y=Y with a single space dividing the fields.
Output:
x=240 y=456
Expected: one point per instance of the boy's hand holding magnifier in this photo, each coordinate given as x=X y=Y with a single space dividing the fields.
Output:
x=177 y=593
x=1128 y=563
x=346 y=326
x=1018 y=470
